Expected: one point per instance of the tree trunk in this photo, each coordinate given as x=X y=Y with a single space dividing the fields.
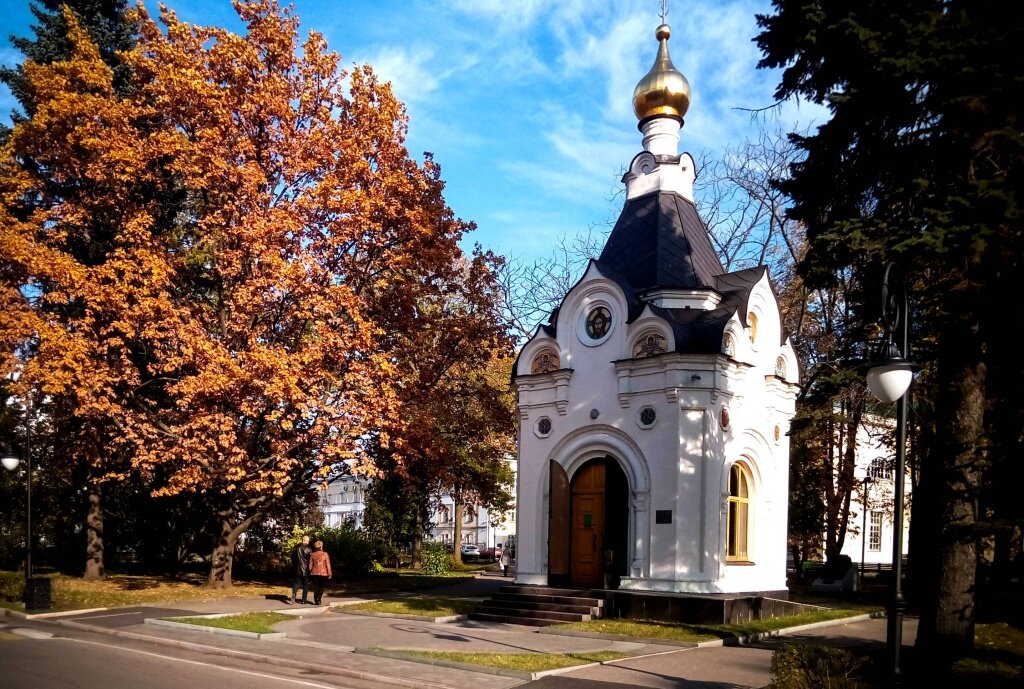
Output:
x=417 y=544
x=223 y=555
x=94 y=531
x=847 y=477
x=460 y=509
x=946 y=628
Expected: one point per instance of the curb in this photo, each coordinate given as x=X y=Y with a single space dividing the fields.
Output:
x=212 y=630
x=254 y=657
x=400 y=616
x=650 y=641
x=22 y=615
x=733 y=641
x=471 y=667
x=750 y=638
x=174 y=622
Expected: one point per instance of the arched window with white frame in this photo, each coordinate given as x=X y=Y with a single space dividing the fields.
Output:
x=737 y=524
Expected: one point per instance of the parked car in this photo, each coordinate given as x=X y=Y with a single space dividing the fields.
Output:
x=469 y=550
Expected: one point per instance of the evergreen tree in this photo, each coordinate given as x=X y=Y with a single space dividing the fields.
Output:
x=920 y=163
x=105 y=22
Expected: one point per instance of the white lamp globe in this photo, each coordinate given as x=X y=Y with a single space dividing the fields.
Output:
x=10 y=463
x=889 y=380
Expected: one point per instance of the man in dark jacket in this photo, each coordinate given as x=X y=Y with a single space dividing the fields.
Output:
x=300 y=567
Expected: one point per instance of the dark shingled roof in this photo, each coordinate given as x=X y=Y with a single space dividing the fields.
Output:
x=735 y=288
x=660 y=241
x=696 y=331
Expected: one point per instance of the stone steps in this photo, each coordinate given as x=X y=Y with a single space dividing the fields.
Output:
x=539 y=606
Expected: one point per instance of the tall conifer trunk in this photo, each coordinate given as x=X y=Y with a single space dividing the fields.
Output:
x=947 y=617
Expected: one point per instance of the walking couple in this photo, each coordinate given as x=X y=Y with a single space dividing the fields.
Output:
x=309 y=563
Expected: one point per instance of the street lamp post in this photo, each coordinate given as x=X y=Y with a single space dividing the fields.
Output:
x=37 y=591
x=889 y=379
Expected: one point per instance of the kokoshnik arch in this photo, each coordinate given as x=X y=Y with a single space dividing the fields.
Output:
x=654 y=404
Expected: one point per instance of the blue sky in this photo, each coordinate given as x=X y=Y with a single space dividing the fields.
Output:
x=526 y=104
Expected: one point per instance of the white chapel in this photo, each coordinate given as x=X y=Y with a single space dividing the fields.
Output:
x=654 y=404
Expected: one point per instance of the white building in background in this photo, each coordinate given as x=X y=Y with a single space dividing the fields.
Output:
x=345 y=500
x=869 y=534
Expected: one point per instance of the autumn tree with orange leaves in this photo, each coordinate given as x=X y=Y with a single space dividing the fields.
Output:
x=273 y=247
x=456 y=429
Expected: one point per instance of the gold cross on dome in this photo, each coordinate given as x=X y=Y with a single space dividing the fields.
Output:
x=664 y=10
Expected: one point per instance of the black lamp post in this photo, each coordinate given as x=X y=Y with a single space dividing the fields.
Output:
x=37 y=590
x=889 y=379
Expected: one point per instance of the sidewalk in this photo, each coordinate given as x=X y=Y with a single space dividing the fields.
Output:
x=339 y=639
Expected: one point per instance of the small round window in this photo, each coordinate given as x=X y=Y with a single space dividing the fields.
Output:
x=752 y=324
x=544 y=426
x=647 y=417
x=599 y=322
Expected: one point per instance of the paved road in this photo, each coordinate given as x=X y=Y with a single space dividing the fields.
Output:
x=34 y=656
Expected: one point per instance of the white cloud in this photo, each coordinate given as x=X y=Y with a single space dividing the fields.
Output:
x=504 y=16
x=408 y=69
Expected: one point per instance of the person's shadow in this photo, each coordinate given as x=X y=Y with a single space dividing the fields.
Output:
x=280 y=597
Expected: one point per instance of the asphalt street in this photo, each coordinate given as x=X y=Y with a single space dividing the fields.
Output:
x=35 y=656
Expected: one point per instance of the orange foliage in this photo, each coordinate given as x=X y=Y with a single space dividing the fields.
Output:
x=270 y=253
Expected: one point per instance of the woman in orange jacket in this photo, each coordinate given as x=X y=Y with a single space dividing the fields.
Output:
x=319 y=570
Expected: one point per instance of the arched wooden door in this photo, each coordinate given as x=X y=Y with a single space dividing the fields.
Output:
x=587 y=539
x=558 y=525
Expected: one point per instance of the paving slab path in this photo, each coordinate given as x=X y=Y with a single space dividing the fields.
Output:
x=325 y=640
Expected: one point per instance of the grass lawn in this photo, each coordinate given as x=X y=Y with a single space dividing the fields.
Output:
x=707 y=632
x=523 y=662
x=258 y=622
x=74 y=593
x=427 y=606
x=998 y=658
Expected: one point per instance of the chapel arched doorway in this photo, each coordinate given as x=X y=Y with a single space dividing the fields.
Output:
x=589 y=525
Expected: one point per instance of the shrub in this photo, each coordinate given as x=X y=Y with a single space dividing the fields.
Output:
x=12 y=584
x=815 y=667
x=351 y=554
x=436 y=559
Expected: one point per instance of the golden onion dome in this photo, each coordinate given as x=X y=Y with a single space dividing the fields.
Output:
x=663 y=91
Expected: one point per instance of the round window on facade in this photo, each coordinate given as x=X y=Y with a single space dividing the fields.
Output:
x=543 y=426
x=752 y=324
x=647 y=417
x=599 y=322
